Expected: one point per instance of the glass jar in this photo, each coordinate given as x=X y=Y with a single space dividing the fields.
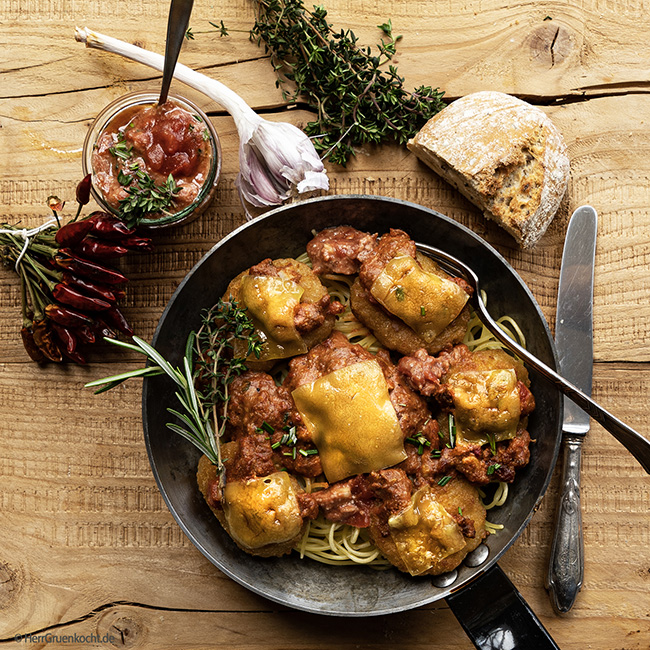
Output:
x=110 y=170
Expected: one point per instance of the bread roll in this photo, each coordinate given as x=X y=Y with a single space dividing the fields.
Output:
x=504 y=155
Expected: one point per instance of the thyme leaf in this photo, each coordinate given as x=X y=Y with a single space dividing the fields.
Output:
x=145 y=197
x=357 y=93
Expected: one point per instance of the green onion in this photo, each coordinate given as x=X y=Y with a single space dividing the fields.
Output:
x=444 y=480
x=452 y=431
x=419 y=441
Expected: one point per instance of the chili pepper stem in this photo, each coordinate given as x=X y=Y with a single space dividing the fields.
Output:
x=41 y=248
x=56 y=276
x=38 y=269
x=37 y=305
x=24 y=307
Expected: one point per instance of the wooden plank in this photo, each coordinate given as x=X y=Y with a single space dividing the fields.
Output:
x=91 y=501
x=601 y=176
x=87 y=545
x=553 y=49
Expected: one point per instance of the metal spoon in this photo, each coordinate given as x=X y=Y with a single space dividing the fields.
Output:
x=179 y=17
x=635 y=443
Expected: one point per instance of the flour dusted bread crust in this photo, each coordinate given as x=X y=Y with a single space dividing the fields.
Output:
x=504 y=155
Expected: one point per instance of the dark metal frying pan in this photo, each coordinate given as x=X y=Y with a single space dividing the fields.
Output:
x=488 y=606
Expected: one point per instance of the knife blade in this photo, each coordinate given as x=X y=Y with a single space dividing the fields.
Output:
x=574 y=342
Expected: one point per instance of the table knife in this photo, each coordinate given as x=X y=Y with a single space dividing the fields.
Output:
x=574 y=342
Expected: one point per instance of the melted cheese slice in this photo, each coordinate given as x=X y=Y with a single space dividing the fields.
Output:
x=426 y=302
x=486 y=404
x=271 y=302
x=424 y=533
x=352 y=421
x=261 y=511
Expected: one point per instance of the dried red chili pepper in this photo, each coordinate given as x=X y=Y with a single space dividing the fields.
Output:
x=69 y=342
x=102 y=330
x=83 y=190
x=107 y=226
x=72 y=233
x=45 y=341
x=66 y=316
x=135 y=243
x=67 y=339
x=90 y=288
x=98 y=249
x=66 y=259
x=116 y=319
x=70 y=296
x=85 y=333
x=76 y=356
x=34 y=352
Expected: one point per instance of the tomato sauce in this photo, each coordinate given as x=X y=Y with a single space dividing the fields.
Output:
x=159 y=140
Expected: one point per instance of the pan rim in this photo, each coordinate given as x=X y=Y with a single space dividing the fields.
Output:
x=438 y=594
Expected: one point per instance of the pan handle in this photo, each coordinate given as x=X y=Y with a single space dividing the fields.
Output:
x=496 y=617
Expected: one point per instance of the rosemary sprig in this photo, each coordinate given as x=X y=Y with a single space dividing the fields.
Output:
x=209 y=367
x=358 y=95
x=144 y=196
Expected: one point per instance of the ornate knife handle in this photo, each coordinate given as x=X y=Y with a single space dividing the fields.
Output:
x=566 y=567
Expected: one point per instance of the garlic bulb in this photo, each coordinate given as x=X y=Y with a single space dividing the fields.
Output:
x=276 y=159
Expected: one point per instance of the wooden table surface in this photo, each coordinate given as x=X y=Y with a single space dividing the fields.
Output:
x=87 y=545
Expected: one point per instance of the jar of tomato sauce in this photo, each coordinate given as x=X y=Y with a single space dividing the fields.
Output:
x=135 y=146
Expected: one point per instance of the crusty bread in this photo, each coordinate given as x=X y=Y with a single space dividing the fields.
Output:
x=504 y=155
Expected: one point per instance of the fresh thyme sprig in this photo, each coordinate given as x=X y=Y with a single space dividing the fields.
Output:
x=218 y=355
x=356 y=97
x=144 y=196
x=221 y=28
x=209 y=367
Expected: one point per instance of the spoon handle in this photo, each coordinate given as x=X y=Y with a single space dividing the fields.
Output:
x=179 y=18
x=634 y=442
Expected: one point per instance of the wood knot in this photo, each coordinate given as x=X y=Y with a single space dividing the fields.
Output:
x=120 y=629
x=550 y=44
x=10 y=582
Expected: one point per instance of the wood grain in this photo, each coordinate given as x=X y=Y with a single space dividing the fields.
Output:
x=87 y=545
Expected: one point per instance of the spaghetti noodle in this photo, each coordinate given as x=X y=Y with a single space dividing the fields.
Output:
x=341 y=544
x=335 y=543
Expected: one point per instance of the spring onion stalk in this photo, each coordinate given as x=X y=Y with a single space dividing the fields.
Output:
x=276 y=159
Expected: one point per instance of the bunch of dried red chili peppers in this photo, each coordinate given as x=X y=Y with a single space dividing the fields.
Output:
x=69 y=292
